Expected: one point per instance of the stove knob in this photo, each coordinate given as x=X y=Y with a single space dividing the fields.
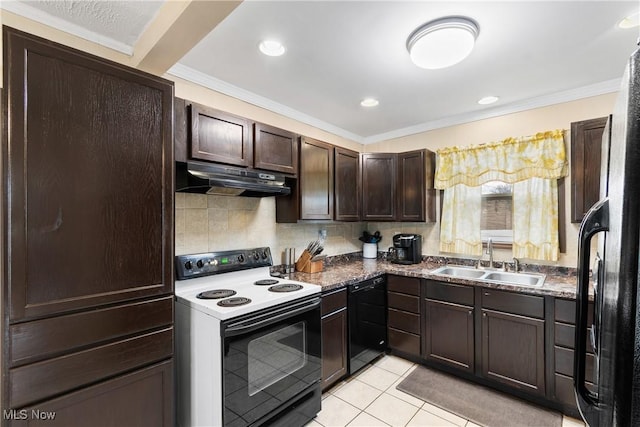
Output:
x=188 y=265
x=214 y=262
x=264 y=254
x=199 y=263
x=240 y=258
x=255 y=256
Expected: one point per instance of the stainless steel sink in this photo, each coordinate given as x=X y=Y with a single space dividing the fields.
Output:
x=525 y=279
x=469 y=273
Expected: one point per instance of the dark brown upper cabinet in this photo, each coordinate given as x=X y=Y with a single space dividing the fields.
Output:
x=379 y=174
x=316 y=179
x=275 y=149
x=586 y=149
x=217 y=136
x=416 y=196
x=347 y=185
x=90 y=187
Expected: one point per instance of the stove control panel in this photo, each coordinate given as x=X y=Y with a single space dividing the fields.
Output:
x=206 y=264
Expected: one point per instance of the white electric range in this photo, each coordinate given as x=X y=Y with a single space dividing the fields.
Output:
x=247 y=343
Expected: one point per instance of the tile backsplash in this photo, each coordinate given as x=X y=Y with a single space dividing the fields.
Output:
x=213 y=223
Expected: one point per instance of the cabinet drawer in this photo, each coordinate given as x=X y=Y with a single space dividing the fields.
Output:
x=565 y=336
x=404 y=302
x=404 y=341
x=404 y=321
x=564 y=389
x=40 y=339
x=565 y=311
x=509 y=302
x=404 y=285
x=450 y=292
x=38 y=381
x=333 y=301
x=564 y=363
x=141 y=398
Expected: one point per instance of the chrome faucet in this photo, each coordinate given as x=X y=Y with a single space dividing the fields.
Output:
x=490 y=252
x=516 y=265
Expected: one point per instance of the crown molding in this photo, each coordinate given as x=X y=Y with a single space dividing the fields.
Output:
x=30 y=12
x=223 y=87
x=596 y=89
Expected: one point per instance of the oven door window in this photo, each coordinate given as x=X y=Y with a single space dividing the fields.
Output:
x=275 y=356
x=269 y=360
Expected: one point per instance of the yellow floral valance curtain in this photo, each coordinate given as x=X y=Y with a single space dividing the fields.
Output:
x=511 y=160
x=533 y=164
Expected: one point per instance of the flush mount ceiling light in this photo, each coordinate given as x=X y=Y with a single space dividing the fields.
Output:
x=630 y=21
x=443 y=42
x=488 y=100
x=271 y=48
x=369 y=102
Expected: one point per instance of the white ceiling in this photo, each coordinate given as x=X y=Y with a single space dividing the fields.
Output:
x=529 y=53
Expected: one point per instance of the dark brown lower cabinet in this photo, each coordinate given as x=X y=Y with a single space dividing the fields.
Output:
x=142 y=398
x=334 y=337
x=563 y=351
x=403 y=316
x=449 y=334
x=513 y=350
x=449 y=325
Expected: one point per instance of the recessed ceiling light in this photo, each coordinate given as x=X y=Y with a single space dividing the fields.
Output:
x=369 y=102
x=271 y=48
x=630 y=21
x=488 y=100
x=443 y=42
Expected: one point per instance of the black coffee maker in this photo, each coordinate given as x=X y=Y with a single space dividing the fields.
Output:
x=406 y=249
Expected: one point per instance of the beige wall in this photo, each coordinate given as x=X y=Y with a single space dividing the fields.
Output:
x=524 y=123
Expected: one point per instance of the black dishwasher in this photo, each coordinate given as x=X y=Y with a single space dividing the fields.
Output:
x=367 y=322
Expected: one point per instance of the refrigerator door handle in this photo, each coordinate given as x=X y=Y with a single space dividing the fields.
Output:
x=594 y=222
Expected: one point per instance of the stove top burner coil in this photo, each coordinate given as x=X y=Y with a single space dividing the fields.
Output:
x=266 y=282
x=234 y=302
x=216 y=294
x=285 y=287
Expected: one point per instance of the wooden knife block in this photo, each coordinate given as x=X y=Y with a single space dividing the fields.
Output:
x=305 y=264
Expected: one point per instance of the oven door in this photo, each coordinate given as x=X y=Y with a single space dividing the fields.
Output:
x=270 y=360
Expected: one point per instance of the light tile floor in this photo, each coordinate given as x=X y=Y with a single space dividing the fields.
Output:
x=370 y=399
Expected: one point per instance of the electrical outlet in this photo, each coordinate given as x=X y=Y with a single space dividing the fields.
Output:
x=322 y=233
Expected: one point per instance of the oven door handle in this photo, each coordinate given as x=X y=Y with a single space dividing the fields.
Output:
x=254 y=323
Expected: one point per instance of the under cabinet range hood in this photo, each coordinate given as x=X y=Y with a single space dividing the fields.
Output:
x=210 y=178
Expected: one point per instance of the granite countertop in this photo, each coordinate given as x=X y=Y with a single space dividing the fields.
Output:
x=343 y=273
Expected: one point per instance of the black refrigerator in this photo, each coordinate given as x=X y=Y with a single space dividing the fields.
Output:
x=615 y=223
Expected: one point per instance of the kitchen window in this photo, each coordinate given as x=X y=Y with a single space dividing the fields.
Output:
x=506 y=191
x=496 y=220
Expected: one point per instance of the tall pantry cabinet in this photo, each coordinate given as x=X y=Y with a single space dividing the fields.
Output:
x=87 y=217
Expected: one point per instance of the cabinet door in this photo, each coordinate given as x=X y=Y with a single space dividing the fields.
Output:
x=449 y=334
x=275 y=149
x=379 y=186
x=217 y=136
x=412 y=186
x=334 y=347
x=91 y=186
x=513 y=350
x=347 y=185
x=586 y=148
x=316 y=179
